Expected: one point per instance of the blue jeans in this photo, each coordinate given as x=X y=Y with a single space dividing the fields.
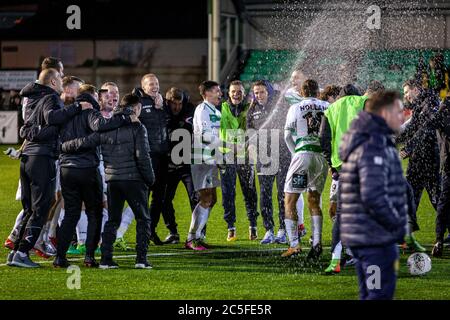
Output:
x=247 y=180
x=266 y=185
x=376 y=269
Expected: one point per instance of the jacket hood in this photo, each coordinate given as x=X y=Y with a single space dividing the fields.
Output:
x=426 y=96
x=366 y=127
x=271 y=101
x=36 y=90
x=186 y=108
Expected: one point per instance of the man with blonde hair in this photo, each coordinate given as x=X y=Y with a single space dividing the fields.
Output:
x=113 y=91
x=155 y=117
x=80 y=178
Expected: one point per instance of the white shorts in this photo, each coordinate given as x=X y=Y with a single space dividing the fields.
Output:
x=334 y=187
x=307 y=172
x=205 y=176
x=19 y=192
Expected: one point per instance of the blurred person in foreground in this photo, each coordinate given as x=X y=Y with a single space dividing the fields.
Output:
x=373 y=201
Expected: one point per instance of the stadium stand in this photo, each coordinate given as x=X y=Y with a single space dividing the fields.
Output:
x=392 y=67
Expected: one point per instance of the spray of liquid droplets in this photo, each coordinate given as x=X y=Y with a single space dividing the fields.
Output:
x=334 y=45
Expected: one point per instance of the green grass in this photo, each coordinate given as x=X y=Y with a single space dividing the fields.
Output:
x=242 y=270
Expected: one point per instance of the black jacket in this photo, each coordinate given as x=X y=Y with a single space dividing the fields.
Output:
x=82 y=125
x=419 y=139
x=270 y=117
x=125 y=151
x=44 y=113
x=441 y=122
x=155 y=121
x=182 y=120
x=373 y=197
x=326 y=139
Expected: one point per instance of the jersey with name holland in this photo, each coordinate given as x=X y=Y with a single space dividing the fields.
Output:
x=303 y=121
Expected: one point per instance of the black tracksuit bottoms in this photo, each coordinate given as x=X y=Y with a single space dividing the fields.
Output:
x=136 y=194
x=160 y=163
x=37 y=179
x=80 y=185
x=175 y=175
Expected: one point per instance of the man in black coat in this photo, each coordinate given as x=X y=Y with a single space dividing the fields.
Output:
x=373 y=202
x=420 y=146
x=420 y=143
x=266 y=114
x=129 y=175
x=441 y=122
x=44 y=114
x=81 y=181
x=181 y=113
x=155 y=117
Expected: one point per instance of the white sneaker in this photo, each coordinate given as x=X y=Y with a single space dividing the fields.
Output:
x=143 y=265
x=281 y=237
x=269 y=238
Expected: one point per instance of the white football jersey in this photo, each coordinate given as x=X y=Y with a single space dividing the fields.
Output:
x=291 y=96
x=206 y=123
x=303 y=121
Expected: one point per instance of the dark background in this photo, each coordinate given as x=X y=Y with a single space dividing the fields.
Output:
x=104 y=19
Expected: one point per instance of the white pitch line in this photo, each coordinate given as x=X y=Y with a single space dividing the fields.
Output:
x=162 y=254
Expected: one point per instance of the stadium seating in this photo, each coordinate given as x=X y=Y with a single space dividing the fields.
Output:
x=391 y=67
x=272 y=65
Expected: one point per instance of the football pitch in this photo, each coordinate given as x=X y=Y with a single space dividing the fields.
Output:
x=240 y=270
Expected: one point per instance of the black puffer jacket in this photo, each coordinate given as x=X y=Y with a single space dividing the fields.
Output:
x=373 y=197
x=125 y=151
x=44 y=113
x=155 y=121
x=82 y=125
x=271 y=117
x=182 y=120
x=326 y=143
x=420 y=141
x=441 y=122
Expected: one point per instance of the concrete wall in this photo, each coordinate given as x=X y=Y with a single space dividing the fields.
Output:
x=181 y=62
x=186 y=78
x=29 y=53
x=181 y=52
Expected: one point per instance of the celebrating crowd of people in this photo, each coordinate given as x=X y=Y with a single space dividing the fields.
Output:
x=87 y=152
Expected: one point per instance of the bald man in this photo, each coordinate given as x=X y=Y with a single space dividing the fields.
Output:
x=45 y=112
